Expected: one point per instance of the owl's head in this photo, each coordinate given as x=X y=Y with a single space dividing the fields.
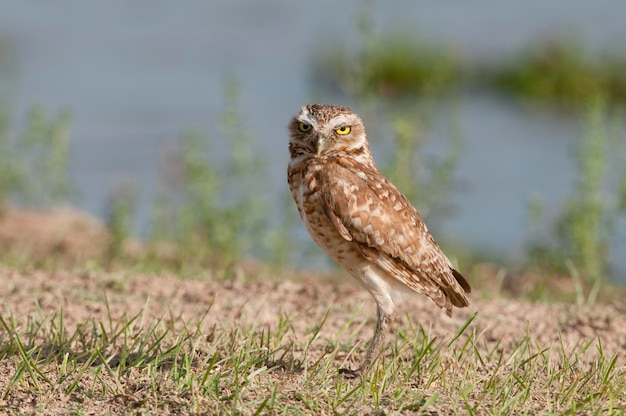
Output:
x=326 y=130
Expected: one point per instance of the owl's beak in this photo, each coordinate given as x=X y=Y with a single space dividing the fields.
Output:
x=319 y=145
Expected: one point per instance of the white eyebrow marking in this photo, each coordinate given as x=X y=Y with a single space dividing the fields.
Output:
x=341 y=120
x=306 y=117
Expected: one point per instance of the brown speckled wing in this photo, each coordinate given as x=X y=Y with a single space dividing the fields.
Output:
x=367 y=209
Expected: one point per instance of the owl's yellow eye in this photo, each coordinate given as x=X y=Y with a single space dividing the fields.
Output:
x=303 y=127
x=343 y=130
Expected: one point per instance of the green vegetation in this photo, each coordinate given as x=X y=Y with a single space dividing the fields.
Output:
x=426 y=184
x=389 y=65
x=563 y=72
x=397 y=64
x=586 y=226
x=213 y=208
x=555 y=70
x=120 y=215
x=34 y=162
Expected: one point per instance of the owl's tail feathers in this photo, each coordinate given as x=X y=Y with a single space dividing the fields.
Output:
x=454 y=296
x=462 y=281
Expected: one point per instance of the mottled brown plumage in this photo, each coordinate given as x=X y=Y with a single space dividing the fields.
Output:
x=361 y=220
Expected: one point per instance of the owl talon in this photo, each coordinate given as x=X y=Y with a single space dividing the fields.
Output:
x=349 y=373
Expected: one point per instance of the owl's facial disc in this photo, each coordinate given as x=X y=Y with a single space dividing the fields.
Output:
x=321 y=135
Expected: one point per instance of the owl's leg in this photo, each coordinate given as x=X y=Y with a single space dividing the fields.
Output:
x=385 y=318
x=383 y=322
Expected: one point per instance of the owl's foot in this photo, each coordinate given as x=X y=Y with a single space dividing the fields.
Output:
x=349 y=373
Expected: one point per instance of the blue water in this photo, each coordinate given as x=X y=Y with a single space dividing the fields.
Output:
x=136 y=74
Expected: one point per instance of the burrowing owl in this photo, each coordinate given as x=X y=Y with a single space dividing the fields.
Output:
x=361 y=220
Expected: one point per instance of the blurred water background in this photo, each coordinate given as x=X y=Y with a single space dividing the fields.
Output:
x=136 y=75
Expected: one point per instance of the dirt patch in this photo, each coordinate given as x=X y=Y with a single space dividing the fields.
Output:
x=92 y=294
x=38 y=234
